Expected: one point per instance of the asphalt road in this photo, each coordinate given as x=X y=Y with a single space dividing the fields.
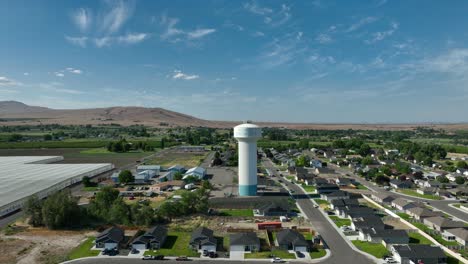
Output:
x=442 y=205
x=341 y=250
x=137 y=261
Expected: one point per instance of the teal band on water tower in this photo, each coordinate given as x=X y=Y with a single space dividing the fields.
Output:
x=247 y=190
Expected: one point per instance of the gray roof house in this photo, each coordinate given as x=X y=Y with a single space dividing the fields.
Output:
x=456 y=234
x=344 y=202
x=403 y=204
x=418 y=254
x=419 y=213
x=382 y=198
x=110 y=238
x=367 y=222
x=334 y=195
x=441 y=223
x=327 y=188
x=272 y=209
x=289 y=239
x=202 y=239
x=154 y=238
x=244 y=242
x=397 y=184
x=353 y=212
x=385 y=236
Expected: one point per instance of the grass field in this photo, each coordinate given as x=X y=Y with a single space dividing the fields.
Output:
x=416 y=238
x=415 y=194
x=438 y=238
x=186 y=159
x=320 y=201
x=177 y=244
x=84 y=250
x=308 y=188
x=340 y=221
x=236 y=212
x=376 y=250
x=362 y=187
x=404 y=216
x=266 y=254
x=317 y=253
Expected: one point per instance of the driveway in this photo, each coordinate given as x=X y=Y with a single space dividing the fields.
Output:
x=236 y=255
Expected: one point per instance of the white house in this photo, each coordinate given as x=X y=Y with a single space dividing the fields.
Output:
x=197 y=172
x=456 y=234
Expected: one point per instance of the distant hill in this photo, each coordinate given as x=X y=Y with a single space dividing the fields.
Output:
x=17 y=113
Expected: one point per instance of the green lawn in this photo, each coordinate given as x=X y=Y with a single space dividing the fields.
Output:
x=266 y=254
x=236 y=212
x=457 y=205
x=320 y=201
x=290 y=178
x=404 y=216
x=317 y=253
x=308 y=188
x=362 y=187
x=415 y=194
x=416 y=238
x=438 y=238
x=84 y=250
x=376 y=250
x=340 y=221
x=177 y=244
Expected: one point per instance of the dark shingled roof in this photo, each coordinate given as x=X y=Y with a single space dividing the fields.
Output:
x=289 y=236
x=111 y=234
x=203 y=236
x=428 y=254
x=241 y=239
x=154 y=234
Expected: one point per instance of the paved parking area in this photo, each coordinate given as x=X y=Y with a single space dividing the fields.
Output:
x=236 y=255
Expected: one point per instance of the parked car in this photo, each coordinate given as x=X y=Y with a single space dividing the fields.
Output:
x=205 y=253
x=182 y=258
x=159 y=257
x=147 y=257
x=213 y=254
x=300 y=254
x=277 y=260
x=134 y=251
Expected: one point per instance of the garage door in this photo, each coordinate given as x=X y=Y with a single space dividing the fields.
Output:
x=209 y=248
x=301 y=249
x=139 y=247
x=237 y=248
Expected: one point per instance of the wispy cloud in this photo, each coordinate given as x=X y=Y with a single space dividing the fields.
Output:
x=361 y=23
x=119 y=12
x=183 y=76
x=174 y=34
x=381 y=35
x=61 y=73
x=82 y=18
x=254 y=8
x=102 y=42
x=269 y=15
x=324 y=38
x=58 y=88
x=79 y=41
x=133 y=38
x=283 y=51
x=4 y=81
x=454 y=61
x=258 y=34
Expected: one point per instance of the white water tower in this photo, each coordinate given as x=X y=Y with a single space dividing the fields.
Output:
x=247 y=135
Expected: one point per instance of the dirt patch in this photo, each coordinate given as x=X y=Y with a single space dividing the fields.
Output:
x=12 y=249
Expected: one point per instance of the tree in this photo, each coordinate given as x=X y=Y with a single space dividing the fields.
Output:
x=462 y=164
x=460 y=180
x=86 y=181
x=382 y=180
x=302 y=161
x=367 y=161
x=104 y=199
x=178 y=176
x=119 y=212
x=47 y=137
x=443 y=179
x=364 y=150
x=15 y=137
x=304 y=144
x=61 y=210
x=163 y=143
x=33 y=210
x=126 y=176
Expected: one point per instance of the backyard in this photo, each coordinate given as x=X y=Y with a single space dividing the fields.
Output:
x=84 y=250
x=236 y=212
x=376 y=250
x=267 y=254
x=177 y=244
x=340 y=221
x=309 y=189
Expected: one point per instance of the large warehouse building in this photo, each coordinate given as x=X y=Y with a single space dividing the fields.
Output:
x=21 y=177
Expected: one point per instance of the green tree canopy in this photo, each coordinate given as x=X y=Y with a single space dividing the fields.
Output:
x=126 y=176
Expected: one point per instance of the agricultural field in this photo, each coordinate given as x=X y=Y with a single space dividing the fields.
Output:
x=186 y=159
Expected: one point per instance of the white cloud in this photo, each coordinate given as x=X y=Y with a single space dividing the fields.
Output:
x=454 y=61
x=82 y=18
x=120 y=11
x=381 y=35
x=254 y=8
x=283 y=51
x=102 y=42
x=26 y=74
x=258 y=34
x=133 y=38
x=361 y=23
x=180 y=75
x=4 y=81
x=174 y=34
x=79 y=41
x=324 y=38
x=199 y=33
x=59 y=74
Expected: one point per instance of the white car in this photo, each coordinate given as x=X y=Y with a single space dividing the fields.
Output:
x=392 y=261
x=277 y=260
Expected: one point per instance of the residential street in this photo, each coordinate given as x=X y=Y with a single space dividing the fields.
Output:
x=136 y=261
x=341 y=250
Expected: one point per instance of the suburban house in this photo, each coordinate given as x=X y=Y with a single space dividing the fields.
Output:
x=324 y=170
x=289 y=239
x=344 y=202
x=353 y=212
x=385 y=236
x=327 y=188
x=341 y=181
x=456 y=234
x=397 y=184
x=320 y=180
x=154 y=168
x=382 y=198
x=163 y=186
x=334 y=195
x=110 y=238
x=245 y=242
x=417 y=253
x=443 y=193
x=427 y=190
x=202 y=239
x=154 y=238
x=402 y=204
x=176 y=168
x=437 y=184
x=197 y=172
x=309 y=179
x=441 y=223
x=462 y=171
x=316 y=163
x=367 y=222
x=271 y=209
x=419 y=213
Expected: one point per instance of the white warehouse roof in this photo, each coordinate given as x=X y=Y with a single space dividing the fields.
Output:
x=21 y=177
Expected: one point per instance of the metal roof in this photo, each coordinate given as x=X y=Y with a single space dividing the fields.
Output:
x=23 y=176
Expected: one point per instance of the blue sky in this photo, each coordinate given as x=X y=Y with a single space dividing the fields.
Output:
x=295 y=61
